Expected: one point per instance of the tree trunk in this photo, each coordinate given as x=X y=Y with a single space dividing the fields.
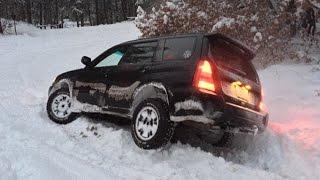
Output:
x=62 y=26
x=109 y=12
x=97 y=12
x=14 y=24
x=116 y=12
x=56 y=11
x=40 y=14
x=89 y=14
x=77 y=19
x=82 y=20
x=105 y=12
x=1 y=31
x=28 y=11
x=132 y=8
x=124 y=5
x=49 y=13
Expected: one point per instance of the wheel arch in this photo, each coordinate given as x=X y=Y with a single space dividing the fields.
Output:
x=151 y=90
x=63 y=83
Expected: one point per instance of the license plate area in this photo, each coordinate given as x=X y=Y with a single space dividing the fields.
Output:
x=239 y=91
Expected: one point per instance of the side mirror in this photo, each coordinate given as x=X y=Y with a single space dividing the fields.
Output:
x=86 y=60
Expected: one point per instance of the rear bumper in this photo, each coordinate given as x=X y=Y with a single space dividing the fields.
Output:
x=238 y=116
x=212 y=111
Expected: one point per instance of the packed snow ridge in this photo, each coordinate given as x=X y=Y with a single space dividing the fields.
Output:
x=33 y=147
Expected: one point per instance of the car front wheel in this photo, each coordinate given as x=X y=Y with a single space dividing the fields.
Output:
x=59 y=107
x=151 y=125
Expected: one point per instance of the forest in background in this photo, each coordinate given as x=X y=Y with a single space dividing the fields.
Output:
x=84 y=12
x=273 y=28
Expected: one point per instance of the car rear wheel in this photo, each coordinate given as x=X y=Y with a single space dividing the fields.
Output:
x=151 y=125
x=59 y=107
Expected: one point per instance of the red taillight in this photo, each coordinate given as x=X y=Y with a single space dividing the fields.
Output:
x=203 y=78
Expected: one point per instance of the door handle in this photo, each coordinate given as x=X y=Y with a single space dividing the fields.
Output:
x=145 y=69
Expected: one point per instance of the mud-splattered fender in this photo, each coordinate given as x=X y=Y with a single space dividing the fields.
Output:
x=63 y=83
x=149 y=90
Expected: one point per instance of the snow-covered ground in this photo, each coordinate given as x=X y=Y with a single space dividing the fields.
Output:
x=33 y=147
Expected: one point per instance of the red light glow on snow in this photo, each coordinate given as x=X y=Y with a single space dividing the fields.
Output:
x=304 y=130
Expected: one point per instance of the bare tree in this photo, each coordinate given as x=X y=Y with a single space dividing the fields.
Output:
x=1 y=6
x=1 y=31
x=97 y=12
x=28 y=11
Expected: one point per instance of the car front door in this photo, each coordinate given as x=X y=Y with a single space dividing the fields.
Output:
x=92 y=84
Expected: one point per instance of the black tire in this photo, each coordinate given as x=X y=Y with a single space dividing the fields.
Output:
x=165 y=128
x=50 y=113
x=225 y=140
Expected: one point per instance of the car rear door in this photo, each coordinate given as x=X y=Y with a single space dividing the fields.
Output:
x=129 y=74
x=175 y=62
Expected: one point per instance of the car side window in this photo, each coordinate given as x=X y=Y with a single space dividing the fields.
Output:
x=140 y=53
x=113 y=59
x=179 y=48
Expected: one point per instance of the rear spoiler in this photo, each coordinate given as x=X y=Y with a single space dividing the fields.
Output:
x=248 y=51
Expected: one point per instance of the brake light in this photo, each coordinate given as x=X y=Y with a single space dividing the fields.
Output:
x=203 y=78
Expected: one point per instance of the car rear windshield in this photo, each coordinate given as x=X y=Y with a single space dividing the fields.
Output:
x=229 y=56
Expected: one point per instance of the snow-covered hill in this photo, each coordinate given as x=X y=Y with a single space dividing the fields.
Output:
x=33 y=147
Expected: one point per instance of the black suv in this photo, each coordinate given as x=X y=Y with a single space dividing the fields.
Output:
x=203 y=79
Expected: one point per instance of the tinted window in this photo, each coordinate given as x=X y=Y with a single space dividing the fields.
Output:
x=140 y=53
x=113 y=58
x=231 y=57
x=179 y=48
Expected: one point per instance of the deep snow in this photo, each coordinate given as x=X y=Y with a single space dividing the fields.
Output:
x=33 y=147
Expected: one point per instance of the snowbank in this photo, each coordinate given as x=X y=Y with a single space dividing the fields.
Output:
x=33 y=147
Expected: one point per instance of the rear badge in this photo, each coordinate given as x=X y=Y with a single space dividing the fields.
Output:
x=187 y=54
